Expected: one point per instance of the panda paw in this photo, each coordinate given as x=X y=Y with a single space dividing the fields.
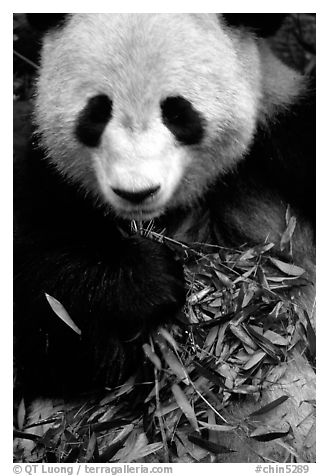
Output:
x=151 y=286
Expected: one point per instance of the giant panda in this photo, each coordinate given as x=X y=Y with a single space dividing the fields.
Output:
x=185 y=119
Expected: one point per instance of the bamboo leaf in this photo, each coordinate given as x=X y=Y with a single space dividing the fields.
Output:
x=268 y=434
x=211 y=337
x=215 y=427
x=275 y=338
x=220 y=338
x=147 y=450
x=116 y=444
x=91 y=447
x=293 y=280
x=223 y=279
x=21 y=413
x=210 y=375
x=175 y=365
x=209 y=445
x=311 y=337
x=264 y=343
x=123 y=389
x=310 y=437
x=197 y=297
x=290 y=269
x=169 y=338
x=257 y=357
x=185 y=406
x=289 y=231
x=240 y=333
x=137 y=448
x=162 y=411
x=269 y=406
x=62 y=313
x=152 y=356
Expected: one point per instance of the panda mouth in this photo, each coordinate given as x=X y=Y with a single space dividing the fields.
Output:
x=139 y=213
x=147 y=209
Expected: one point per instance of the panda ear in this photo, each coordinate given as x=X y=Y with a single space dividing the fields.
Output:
x=264 y=24
x=45 y=21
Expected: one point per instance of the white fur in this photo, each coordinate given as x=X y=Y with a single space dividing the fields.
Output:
x=136 y=161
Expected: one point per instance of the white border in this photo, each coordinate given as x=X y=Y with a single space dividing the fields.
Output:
x=322 y=199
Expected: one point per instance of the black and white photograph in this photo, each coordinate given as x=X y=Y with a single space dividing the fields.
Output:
x=164 y=238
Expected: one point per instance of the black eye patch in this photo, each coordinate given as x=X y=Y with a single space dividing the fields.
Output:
x=93 y=119
x=180 y=117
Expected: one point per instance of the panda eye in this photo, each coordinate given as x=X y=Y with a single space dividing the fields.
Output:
x=180 y=117
x=92 y=120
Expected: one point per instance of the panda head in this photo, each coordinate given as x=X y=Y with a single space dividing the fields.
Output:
x=146 y=111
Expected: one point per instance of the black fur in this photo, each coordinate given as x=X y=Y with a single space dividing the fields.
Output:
x=264 y=24
x=114 y=288
x=93 y=119
x=182 y=120
x=283 y=156
x=279 y=170
x=46 y=21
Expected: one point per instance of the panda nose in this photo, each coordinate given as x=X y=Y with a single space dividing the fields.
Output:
x=136 y=196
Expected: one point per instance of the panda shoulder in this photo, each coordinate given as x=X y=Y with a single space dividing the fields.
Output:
x=282 y=86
